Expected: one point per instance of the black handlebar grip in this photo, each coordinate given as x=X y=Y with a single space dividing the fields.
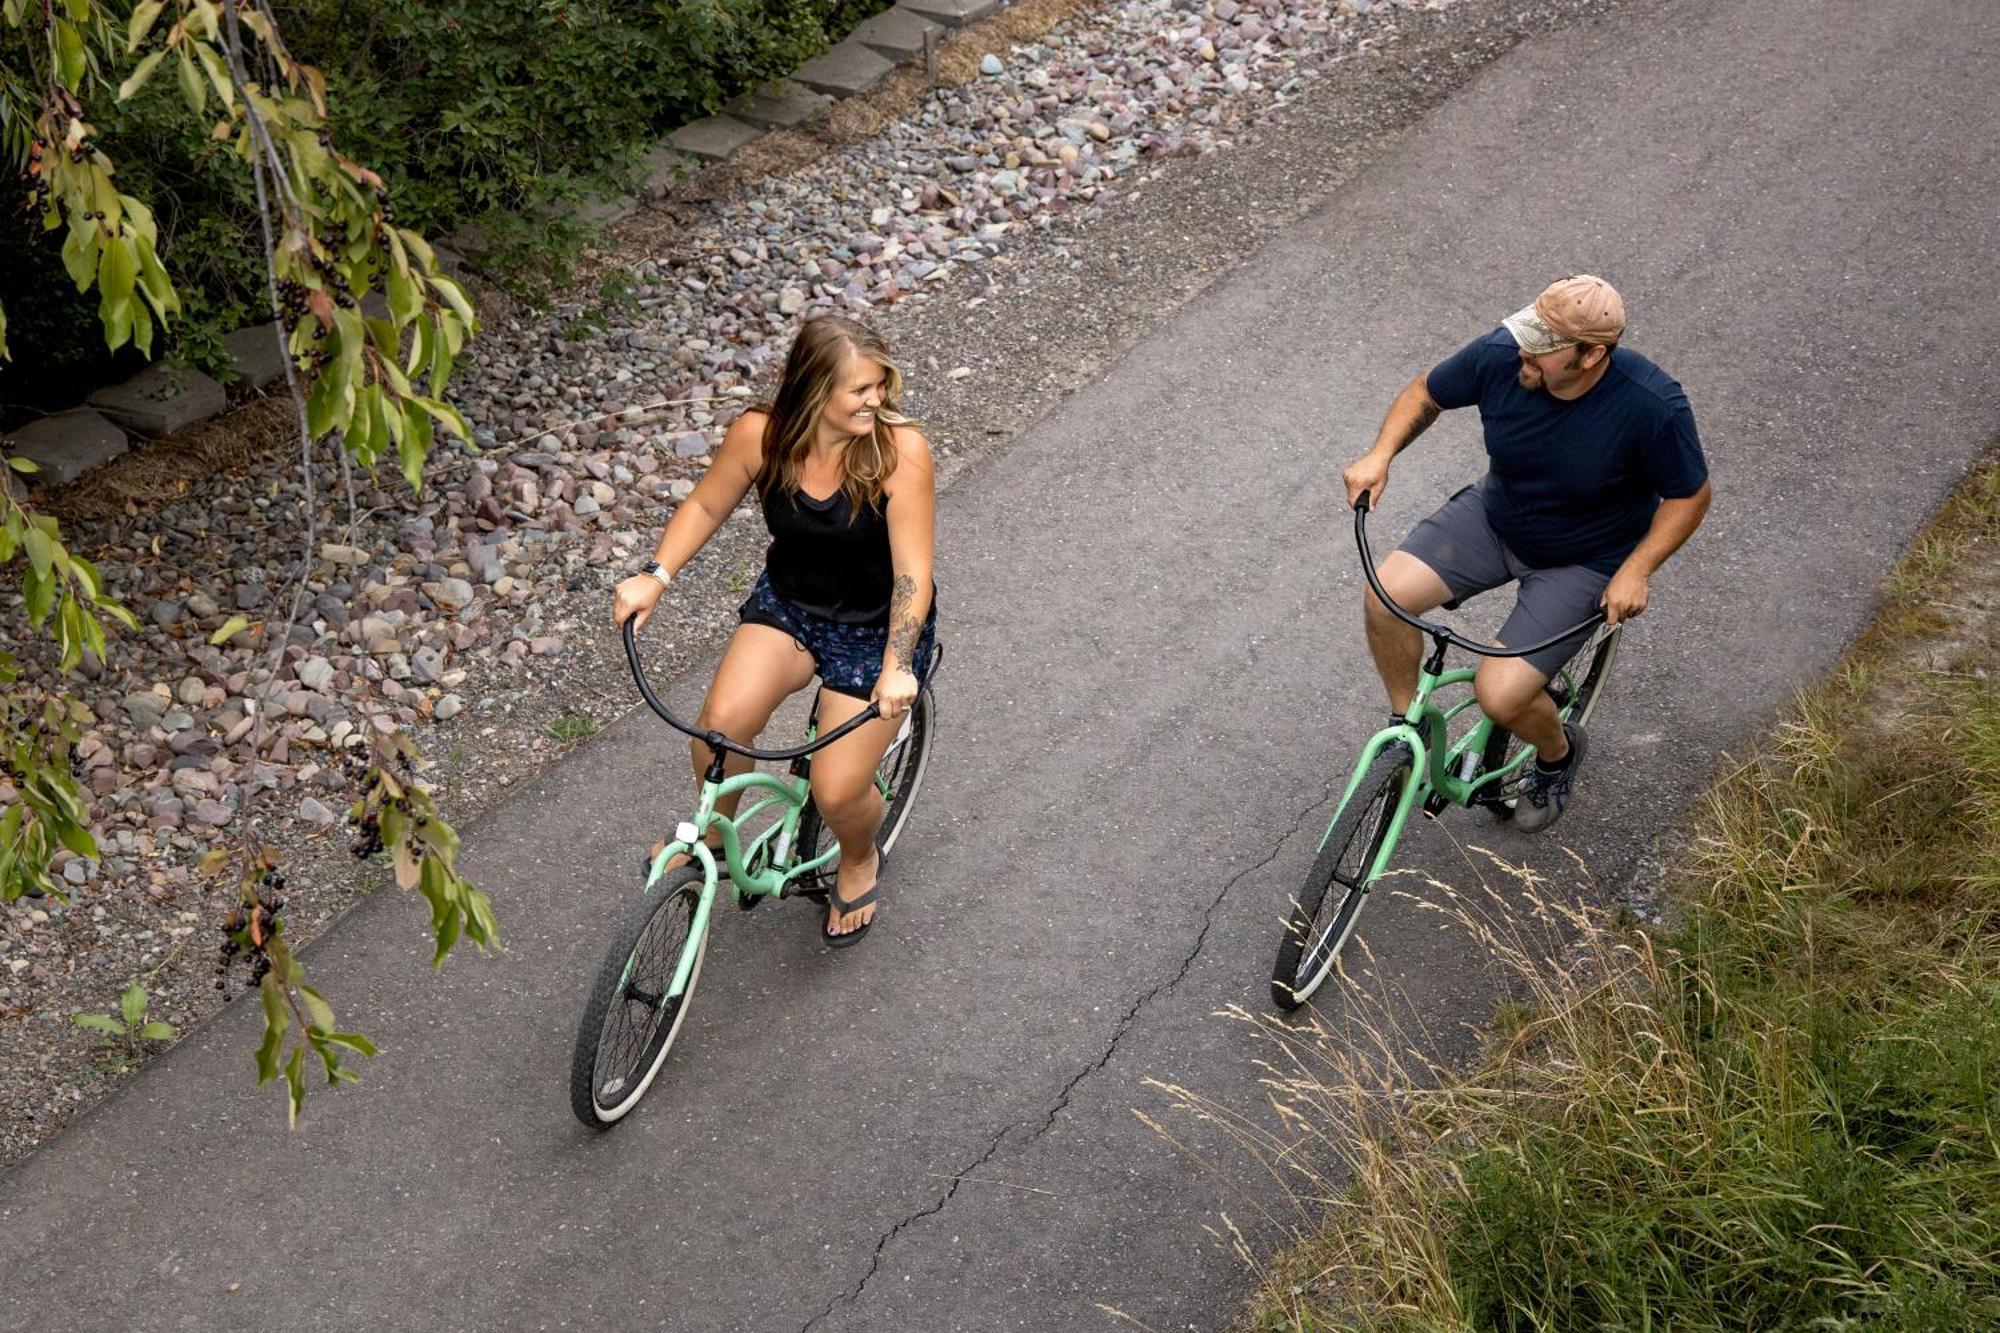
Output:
x=1361 y=502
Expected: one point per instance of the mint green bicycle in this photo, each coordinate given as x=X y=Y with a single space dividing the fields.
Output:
x=777 y=848
x=1417 y=763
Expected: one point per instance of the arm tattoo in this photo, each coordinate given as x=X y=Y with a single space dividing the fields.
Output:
x=903 y=626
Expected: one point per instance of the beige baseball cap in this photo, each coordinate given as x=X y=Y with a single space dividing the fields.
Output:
x=1582 y=309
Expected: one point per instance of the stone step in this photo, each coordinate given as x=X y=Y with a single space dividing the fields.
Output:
x=845 y=70
x=713 y=138
x=778 y=106
x=161 y=399
x=951 y=13
x=896 y=33
x=65 y=446
x=256 y=354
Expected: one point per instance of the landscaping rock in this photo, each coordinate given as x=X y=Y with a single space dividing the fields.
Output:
x=161 y=399
x=65 y=446
x=778 y=106
x=898 y=33
x=714 y=138
x=951 y=13
x=256 y=355
x=845 y=70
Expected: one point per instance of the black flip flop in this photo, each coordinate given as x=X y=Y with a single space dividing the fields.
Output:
x=843 y=906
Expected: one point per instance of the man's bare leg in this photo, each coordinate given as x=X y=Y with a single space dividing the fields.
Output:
x=1399 y=648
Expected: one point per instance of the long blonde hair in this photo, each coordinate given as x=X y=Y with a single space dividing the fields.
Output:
x=811 y=370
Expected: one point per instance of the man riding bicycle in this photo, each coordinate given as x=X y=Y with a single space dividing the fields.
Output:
x=1596 y=476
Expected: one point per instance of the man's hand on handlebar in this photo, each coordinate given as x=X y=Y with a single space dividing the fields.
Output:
x=1369 y=473
x=1624 y=597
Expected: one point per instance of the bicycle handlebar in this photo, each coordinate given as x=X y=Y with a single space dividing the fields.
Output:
x=715 y=740
x=1439 y=631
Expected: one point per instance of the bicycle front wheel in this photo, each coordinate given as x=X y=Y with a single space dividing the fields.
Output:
x=898 y=777
x=631 y=1021
x=1336 y=887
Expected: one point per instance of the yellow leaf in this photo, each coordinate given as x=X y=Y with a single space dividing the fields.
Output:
x=230 y=629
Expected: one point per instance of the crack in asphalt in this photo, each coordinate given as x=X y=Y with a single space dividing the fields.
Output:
x=1062 y=1100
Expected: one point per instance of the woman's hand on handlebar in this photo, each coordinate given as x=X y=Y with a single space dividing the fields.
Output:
x=895 y=690
x=1369 y=473
x=636 y=596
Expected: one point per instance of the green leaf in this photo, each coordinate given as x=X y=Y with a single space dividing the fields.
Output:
x=75 y=836
x=142 y=328
x=229 y=630
x=137 y=79
x=99 y=1023
x=42 y=551
x=275 y=1023
x=153 y=280
x=157 y=1031
x=317 y=1009
x=410 y=450
x=79 y=251
x=70 y=54
x=117 y=325
x=454 y=296
x=419 y=247
x=447 y=934
x=295 y=1085
x=117 y=271
x=143 y=17
x=79 y=10
x=24 y=465
x=40 y=591
x=195 y=92
x=406 y=299
x=218 y=73
x=353 y=1041
x=133 y=1003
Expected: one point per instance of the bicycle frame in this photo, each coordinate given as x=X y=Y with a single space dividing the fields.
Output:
x=1439 y=763
x=770 y=845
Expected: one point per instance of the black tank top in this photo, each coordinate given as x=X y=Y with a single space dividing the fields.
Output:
x=821 y=562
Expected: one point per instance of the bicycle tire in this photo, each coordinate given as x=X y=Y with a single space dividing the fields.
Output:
x=901 y=773
x=1313 y=937
x=1578 y=695
x=601 y=1093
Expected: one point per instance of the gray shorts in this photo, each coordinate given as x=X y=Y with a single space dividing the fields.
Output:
x=1460 y=546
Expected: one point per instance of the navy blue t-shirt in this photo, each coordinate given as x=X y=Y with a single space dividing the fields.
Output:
x=1574 y=483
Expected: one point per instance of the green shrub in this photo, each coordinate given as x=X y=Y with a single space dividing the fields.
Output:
x=488 y=113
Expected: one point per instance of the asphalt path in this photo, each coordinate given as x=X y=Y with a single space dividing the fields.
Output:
x=1155 y=672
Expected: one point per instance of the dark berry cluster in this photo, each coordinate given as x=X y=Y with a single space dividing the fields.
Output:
x=367 y=835
x=246 y=929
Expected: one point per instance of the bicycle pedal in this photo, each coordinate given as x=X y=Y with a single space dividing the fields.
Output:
x=1435 y=805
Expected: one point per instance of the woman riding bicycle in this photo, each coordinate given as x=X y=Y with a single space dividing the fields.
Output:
x=849 y=496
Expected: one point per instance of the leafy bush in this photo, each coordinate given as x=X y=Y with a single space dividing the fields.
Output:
x=492 y=113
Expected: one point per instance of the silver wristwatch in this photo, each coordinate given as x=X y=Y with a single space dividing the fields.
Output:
x=657 y=570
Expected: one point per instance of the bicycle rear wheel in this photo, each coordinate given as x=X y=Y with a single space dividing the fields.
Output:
x=1336 y=887
x=898 y=777
x=1577 y=688
x=630 y=1022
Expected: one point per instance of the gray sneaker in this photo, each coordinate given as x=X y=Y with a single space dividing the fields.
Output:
x=1544 y=796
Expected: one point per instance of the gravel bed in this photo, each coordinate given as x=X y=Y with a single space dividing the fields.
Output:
x=1011 y=235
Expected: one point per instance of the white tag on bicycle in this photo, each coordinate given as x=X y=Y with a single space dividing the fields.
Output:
x=903 y=732
x=686 y=833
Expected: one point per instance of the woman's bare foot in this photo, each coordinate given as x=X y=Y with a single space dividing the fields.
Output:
x=850 y=882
